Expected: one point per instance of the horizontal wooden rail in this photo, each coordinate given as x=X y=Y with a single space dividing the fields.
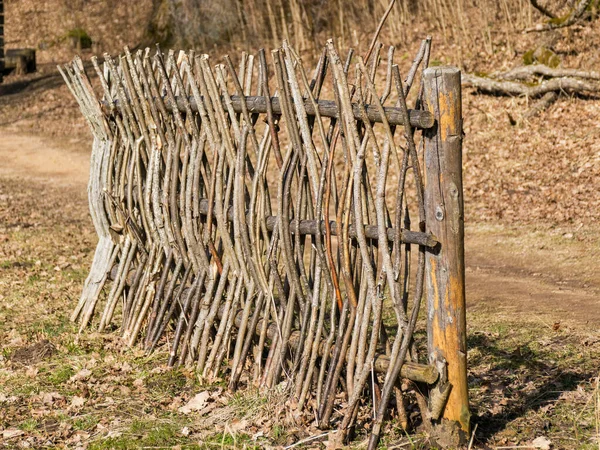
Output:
x=310 y=227
x=327 y=108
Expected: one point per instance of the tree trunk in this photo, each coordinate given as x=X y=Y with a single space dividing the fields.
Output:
x=196 y=23
x=161 y=26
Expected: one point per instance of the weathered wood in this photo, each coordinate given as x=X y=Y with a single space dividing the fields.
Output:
x=20 y=65
x=16 y=58
x=310 y=227
x=541 y=105
x=566 y=84
x=327 y=108
x=530 y=72
x=445 y=268
x=422 y=373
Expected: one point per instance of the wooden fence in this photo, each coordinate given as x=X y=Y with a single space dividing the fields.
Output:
x=272 y=236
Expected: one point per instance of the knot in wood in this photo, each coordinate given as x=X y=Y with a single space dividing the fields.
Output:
x=439 y=213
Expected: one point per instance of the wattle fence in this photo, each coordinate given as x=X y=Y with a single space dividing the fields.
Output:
x=277 y=226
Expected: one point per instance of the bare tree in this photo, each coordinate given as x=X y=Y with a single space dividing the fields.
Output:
x=580 y=11
x=192 y=22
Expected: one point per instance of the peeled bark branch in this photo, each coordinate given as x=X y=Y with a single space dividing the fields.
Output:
x=531 y=71
x=541 y=105
x=566 y=84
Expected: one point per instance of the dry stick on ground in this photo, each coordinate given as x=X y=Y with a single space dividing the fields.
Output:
x=565 y=84
x=530 y=72
x=541 y=105
x=570 y=81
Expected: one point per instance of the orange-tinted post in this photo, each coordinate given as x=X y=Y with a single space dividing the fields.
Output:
x=445 y=266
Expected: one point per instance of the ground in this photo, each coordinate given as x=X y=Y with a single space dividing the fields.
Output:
x=533 y=285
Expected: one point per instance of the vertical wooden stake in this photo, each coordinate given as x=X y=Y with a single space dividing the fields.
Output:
x=445 y=267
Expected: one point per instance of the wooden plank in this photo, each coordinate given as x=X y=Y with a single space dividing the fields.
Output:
x=21 y=59
x=445 y=267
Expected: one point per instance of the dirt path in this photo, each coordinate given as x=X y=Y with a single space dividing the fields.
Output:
x=61 y=163
x=551 y=276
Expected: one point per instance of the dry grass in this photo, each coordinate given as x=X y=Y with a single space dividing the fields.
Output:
x=528 y=378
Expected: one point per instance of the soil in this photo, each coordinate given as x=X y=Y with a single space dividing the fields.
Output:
x=33 y=353
x=59 y=163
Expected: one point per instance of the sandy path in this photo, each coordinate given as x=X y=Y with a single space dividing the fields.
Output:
x=525 y=275
x=60 y=163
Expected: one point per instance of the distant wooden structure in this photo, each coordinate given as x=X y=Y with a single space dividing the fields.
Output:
x=1 y=39
x=21 y=60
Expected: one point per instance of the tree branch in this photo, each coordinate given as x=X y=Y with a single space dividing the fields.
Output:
x=541 y=105
x=542 y=9
x=563 y=22
x=533 y=70
x=495 y=87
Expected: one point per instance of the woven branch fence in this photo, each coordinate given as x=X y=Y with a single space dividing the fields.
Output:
x=264 y=232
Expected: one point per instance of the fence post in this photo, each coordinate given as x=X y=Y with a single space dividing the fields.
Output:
x=445 y=267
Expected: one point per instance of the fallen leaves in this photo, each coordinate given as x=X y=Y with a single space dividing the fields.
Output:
x=77 y=402
x=12 y=433
x=196 y=403
x=49 y=398
x=536 y=173
x=542 y=443
x=82 y=375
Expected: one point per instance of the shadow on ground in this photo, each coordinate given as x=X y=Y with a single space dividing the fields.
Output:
x=516 y=390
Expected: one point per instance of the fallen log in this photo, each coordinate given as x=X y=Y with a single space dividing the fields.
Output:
x=568 y=85
x=524 y=73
